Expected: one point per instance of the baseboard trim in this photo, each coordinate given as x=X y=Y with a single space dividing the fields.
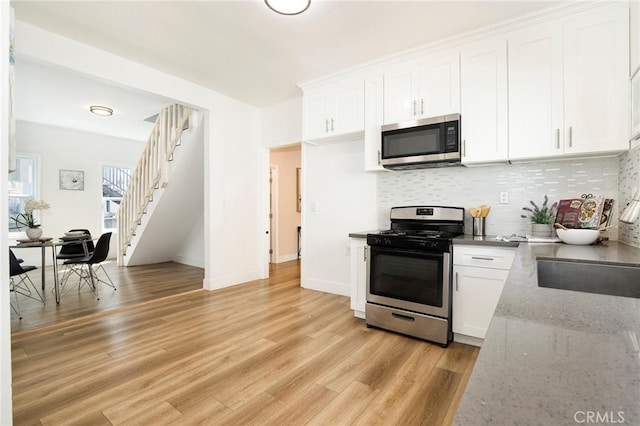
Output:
x=326 y=287
x=467 y=340
x=287 y=258
x=191 y=261
x=228 y=281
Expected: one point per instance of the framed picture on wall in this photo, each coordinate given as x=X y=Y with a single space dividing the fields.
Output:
x=72 y=180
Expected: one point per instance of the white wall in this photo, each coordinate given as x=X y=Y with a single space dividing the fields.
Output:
x=63 y=149
x=192 y=253
x=339 y=197
x=282 y=123
x=6 y=417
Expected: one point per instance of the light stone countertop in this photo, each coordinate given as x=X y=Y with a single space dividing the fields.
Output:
x=556 y=356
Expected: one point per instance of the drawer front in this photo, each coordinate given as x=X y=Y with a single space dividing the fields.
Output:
x=484 y=257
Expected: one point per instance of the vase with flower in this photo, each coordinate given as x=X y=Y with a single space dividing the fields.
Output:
x=28 y=220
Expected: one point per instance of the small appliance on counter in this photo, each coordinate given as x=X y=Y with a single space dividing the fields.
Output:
x=409 y=270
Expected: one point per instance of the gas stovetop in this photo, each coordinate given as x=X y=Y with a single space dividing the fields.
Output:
x=421 y=228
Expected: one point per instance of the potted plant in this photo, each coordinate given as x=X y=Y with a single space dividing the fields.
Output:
x=33 y=230
x=542 y=218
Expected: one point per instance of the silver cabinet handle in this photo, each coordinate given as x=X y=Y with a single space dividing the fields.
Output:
x=557 y=138
x=464 y=147
x=482 y=258
x=365 y=253
x=332 y=124
x=379 y=157
x=414 y=107
x=456 y=281
x=570 y=136
x=326 y=125
x=422 y=106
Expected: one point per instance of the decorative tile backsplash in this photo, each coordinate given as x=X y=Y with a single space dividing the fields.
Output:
x=472 y=186
x=629 y=170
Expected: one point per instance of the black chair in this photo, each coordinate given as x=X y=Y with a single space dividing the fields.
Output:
x=71 y=250
x=24 y=286
x=87 y=267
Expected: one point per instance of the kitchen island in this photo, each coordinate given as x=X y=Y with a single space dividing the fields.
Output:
x=556 y=356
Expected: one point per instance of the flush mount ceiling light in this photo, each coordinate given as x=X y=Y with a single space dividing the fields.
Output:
x=101 y=110
x=288 y=7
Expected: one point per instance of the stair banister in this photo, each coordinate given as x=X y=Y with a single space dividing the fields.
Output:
x=152 y=171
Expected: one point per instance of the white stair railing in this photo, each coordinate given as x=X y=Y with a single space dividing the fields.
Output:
x=151 y=172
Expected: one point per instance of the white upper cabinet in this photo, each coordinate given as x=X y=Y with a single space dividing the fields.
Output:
x=634 y=36
x=333 y=111
x=484 y=102
x=373 y=96
x=568 y=86
x=422 y=88
x=596 y=81
x=535 y=92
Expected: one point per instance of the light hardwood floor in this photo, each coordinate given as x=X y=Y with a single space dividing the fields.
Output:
x=265 y=352
x=135 y=284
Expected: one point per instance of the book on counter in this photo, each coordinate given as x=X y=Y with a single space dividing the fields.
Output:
x=588 y=212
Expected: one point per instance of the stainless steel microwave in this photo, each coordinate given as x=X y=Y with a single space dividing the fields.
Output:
x=429 y=142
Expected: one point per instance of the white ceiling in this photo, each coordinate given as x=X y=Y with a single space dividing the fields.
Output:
x=61 y=98
x=244 y=50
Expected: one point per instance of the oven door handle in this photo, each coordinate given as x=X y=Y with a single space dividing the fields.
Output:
x=374 y=250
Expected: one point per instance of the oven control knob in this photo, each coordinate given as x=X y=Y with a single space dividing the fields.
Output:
x=387 y=241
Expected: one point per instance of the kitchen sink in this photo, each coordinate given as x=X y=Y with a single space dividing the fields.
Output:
x=614 y=280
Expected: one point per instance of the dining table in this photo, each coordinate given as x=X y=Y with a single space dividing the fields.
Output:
x=45 y=242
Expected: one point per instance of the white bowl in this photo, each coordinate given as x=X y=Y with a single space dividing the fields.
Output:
x=580 y=237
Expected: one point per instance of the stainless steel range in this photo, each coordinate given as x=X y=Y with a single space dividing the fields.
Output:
x=409 y=272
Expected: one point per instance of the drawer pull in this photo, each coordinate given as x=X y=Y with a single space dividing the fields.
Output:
x=403 y=317
x=482 y=258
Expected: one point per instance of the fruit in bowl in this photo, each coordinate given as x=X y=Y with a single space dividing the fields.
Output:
x=581 y=237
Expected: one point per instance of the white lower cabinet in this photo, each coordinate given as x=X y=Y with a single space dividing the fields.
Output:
x=479 y=274
x=359 y=252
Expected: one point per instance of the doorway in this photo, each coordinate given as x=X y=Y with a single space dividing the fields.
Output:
x=284 y=203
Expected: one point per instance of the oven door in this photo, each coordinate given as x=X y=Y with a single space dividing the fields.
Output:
x=416 y=281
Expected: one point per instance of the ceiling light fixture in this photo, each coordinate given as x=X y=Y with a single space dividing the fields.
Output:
x=101 y=110
x=288 y=7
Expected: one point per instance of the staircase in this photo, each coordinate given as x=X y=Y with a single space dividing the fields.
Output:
x=151 y=177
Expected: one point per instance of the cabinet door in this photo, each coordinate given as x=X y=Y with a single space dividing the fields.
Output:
x=535 y=92
x=484 y=102
x=373 y=99
x=359 y=254
x=316 y=116
x=439 y=81
x=634 y=36
x=596 y=81
x=347 y=113
x=400 y=93
x=476 y=292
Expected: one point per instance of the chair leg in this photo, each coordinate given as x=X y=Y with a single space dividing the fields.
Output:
x=92 y=274
x=104 y=271
x=22 y=287
x=16 y=308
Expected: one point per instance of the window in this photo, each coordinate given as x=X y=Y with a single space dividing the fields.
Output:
x=115 y=180
x=22 y=187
